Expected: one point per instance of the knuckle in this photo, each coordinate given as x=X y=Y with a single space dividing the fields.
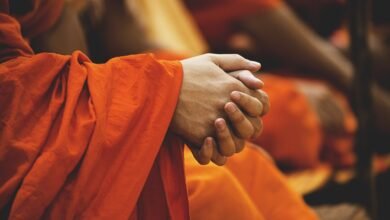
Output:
x=259 y=129
x=266 y=103
x=211 y=57
x=204 y=132
x=257 y=94
x=227 y=149
x=219 y=161
x=245 y=130
x=238 y=117
x=259 y=109
x=245 y=99
x=203 y=161
x=240 y=144
x=264 y=96
x=238 y=57
x=223 y=135
x=248 y=132
x=232 y=84
x=256 y=123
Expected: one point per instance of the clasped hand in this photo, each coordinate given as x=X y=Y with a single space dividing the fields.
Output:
x=220 y=106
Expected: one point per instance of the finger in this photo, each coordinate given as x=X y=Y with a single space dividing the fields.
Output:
x=257 y=124
x=240 y=143
x=226 y=144
x=264 y=99
x=242 y=126
x=252 y=106
x=216 y=157
x=206 y=151
x=248 y=79
x=204 y=154
x=233 y=62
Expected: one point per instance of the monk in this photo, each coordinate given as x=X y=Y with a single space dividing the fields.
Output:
x=240 y=196
x=144 y=19
x=85 y=140
x=268 y=29
x=249 y=185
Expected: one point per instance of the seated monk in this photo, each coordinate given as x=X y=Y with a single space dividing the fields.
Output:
x=85 y=140
x=302 y=118
x=109 y=193
x=269 y=30
x=242 y=200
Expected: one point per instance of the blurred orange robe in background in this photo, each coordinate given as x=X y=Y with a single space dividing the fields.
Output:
x=84 y=140
x=215 y=17
x=292 y=133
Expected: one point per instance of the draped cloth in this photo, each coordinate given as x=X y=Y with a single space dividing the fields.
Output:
x=84 y=140
x=249 y=186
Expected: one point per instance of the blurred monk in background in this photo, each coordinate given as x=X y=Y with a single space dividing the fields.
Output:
x=269 y=30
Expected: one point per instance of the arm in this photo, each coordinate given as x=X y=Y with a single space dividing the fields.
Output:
x=279 y=34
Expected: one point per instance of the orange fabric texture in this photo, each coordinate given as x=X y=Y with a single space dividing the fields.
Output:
x=293 y=134
x=248 y=187
x=84 y=140
x=216 y=18
x=292 y=131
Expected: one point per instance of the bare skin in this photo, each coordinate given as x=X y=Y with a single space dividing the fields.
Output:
x=277 y=33
x=328 y=109
x=67 y=23
x=216 y=111
x=198 y=115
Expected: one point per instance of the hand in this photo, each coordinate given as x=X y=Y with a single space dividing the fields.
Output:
x=201 y=101
x=245 y=127
x=252 y=108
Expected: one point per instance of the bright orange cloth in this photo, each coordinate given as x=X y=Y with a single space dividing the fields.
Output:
x=87 y=141
x=248 y=187
x=292 y=132
x=216 y=18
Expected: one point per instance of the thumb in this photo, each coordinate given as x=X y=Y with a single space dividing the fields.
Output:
x=248 y=79
x=204 y=154
x=233 y=62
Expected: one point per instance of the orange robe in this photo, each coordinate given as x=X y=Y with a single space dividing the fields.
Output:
x=215 y=17
x=292 y=132
x=84 y=140
x=81 y=140
x=248 y=187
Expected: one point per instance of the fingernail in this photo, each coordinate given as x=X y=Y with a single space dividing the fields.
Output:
x=209 y=141
x=220 y=124
x=259 y=83
x=259 y=80
x=231 y=108
x=236 y=96
x=262 y=83
x=255 y=64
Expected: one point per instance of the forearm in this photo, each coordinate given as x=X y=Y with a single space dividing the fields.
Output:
x=280 y=35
